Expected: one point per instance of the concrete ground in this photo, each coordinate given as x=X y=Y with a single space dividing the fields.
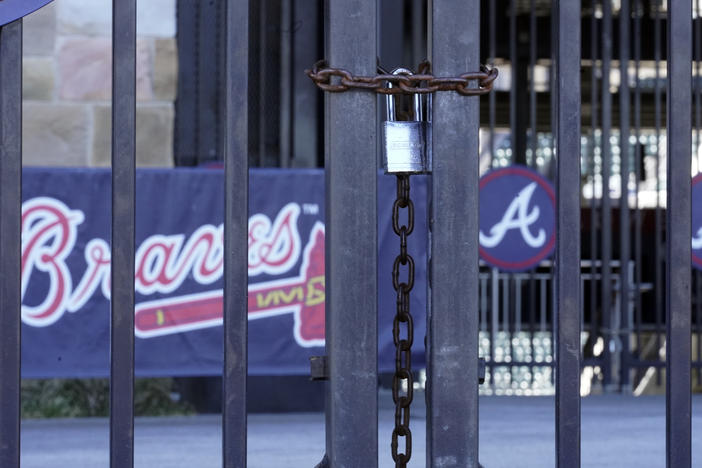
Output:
x=617 y=432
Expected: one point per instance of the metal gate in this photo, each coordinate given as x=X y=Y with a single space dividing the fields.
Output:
x=351 y=195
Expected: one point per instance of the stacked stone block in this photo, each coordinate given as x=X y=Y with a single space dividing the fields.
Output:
x=68 y=79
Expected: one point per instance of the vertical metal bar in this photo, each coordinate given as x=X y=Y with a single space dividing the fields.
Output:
x=517 y=305
x=123 y=228
x=658 y=228
x=533 y=43
x=307 y=135
x=698 y=322
x=10 y=225
x=286 y=82
x=418 y=22
x=514 y=67
x=494 y=318
x=698 y=122
x=678 y=211
x=452 y=416
x=505 y=302
x=567 y=308
x=696 y=86
x=483 y=304
x=351 y=263
x=236 y=180
x=552 y=91
x=606 y=201
x=492 y=98
x=594 y=225
x=624 y=228
x=532 y=315
x=264 y=78
x=533 y=52
x=543 y=310
x=638 y=157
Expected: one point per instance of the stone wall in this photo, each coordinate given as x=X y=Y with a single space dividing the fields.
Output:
x=67 y=83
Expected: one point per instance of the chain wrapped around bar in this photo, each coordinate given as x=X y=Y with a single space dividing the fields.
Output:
x=338 y=80
x=403 y=345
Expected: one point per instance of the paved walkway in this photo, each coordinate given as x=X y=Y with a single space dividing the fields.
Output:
x=618 y=432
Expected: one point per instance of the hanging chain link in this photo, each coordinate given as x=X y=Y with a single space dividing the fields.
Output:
x=403 y=345
x=338 y=80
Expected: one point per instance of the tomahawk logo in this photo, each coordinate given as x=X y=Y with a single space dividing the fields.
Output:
x=302 y=296
x=164 y=262
x=517 y=218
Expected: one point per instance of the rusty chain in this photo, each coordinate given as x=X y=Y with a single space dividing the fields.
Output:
x=403 y=346
x=338 y=80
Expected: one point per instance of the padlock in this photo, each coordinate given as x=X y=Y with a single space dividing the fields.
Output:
x=407 y=144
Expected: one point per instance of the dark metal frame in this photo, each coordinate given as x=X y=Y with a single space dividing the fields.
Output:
x=351 y=236
x=679 y=217
x=10 y=225
x=452 y=321
x=351 y=277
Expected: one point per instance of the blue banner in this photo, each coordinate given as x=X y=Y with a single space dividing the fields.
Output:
x=178 y=276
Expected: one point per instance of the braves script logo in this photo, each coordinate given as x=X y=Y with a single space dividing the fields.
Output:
x=164 y=262
x=517 y=218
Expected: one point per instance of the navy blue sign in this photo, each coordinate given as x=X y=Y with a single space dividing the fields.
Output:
x=11 y=10
x=697 y=221
x=517 y=218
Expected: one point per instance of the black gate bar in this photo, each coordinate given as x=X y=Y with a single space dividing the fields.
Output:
x=122 y=234
x=452 y=405
x=625 y=329
x=678 y=210
x=351 y=252
x=607 y=370
x=236 y=180
x=567 y=310
x=638 y=159
x=594 y=124
x=658 y=215
x=10 y=247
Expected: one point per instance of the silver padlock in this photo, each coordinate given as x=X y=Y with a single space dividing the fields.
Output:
x=407 y=144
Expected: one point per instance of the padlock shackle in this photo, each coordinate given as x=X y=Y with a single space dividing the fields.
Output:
x=390 y=99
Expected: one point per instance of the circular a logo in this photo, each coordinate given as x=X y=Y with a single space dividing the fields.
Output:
x=697 y=221
x=517 y=218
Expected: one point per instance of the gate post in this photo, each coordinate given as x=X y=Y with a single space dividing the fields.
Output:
x=452 y=367
x=678 y=245
x=351 y=249
x=10 y=220
x=567 y=266
x=122 y=233
x=234 y=147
